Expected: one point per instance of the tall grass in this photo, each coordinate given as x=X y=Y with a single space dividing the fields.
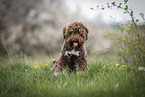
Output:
x=102 y=80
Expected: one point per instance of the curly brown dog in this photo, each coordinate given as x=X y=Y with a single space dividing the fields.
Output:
x=73 y=56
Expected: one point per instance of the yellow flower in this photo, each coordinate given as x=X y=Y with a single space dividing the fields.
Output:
x=36 y=67
x=64 y=84
x=107 y=64
x=121 y=66
x=116 y=64
x=125 y=65
x=111 y=67
x=46 y=64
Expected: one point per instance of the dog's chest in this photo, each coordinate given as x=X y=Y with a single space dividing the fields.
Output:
x=72 y=53
x=72 y=57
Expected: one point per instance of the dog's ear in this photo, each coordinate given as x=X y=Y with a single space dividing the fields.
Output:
x=64 y=31
x=87 y=31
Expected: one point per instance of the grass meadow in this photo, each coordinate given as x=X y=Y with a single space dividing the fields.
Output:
x=34 y=29
x=29 y=77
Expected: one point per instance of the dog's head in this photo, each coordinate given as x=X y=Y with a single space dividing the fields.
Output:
x=75 y=34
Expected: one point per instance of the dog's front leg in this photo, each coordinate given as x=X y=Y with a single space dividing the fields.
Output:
x=81 y=65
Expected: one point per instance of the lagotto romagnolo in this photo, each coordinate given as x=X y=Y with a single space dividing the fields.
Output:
x=73 y=55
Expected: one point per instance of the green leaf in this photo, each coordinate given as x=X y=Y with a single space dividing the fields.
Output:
x=125 y=1
x=126 y=7
x=97 y=6
x=102 y=8
x=131 y=13
x=118 y=7
x=92 y=8
x=137 y=20
x=114 y=3
x=120 y=4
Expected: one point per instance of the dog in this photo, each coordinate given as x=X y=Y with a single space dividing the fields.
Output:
x=73 y=55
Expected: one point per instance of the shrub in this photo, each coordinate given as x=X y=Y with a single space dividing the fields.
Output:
x=131 y=39
x=130 y=44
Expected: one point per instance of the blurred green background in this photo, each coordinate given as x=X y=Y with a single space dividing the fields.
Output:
x=34 y=27
x=31 y=36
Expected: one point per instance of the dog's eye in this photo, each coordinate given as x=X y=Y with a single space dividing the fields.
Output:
x=71 y=32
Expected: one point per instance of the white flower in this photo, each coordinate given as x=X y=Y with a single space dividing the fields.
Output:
x=117 y=85
x=141 y=68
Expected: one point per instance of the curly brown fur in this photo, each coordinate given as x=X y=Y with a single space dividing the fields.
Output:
x=73 y=54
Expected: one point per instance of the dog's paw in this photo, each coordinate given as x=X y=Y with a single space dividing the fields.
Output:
x=54 y=61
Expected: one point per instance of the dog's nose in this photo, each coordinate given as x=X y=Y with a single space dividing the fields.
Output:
x=75 y=32
x=75 y=38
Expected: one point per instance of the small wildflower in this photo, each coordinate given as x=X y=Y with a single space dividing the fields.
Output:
x=116 y=85
x=36 y=67
x=64 y=84
x=116 y=64
x=141 y=68
x=104 y=66
x=121 y=66
x=125 y=65
x=107 y=64
x=111 y=67
x=46 y=64
x=25 y=70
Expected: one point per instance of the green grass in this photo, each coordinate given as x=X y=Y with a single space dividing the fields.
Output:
x=21 y=80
